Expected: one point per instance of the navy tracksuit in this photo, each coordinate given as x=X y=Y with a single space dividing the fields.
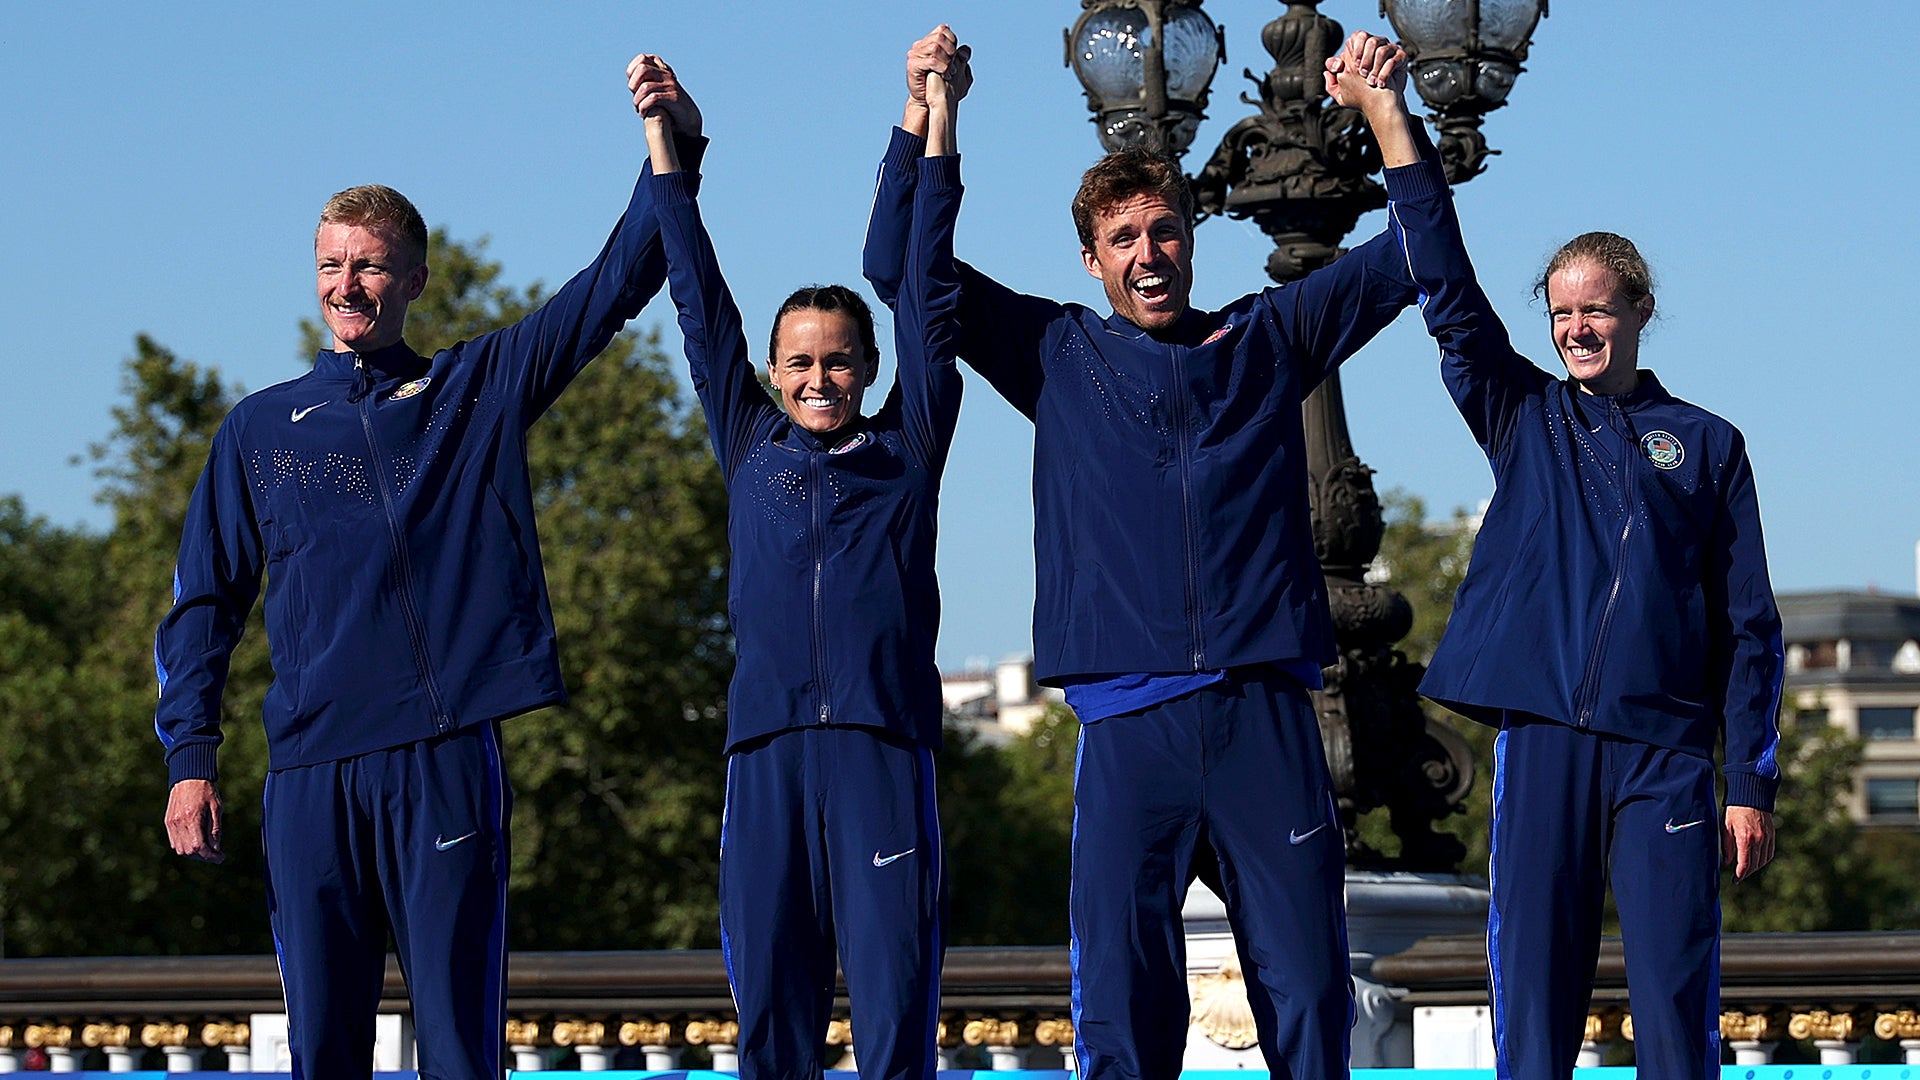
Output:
x=831 y=836
x=1172 y=537
x=1616 y=620
x=385 y=498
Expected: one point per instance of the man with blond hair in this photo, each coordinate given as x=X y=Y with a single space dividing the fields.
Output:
x=385 y=498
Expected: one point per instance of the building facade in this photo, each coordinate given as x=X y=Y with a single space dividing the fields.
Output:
x=997 y=702
x=1853 y=662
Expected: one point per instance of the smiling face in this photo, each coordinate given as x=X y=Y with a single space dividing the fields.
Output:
x=1596 y=328
x=365 y=277
x=821 y=368
x=1143 y=253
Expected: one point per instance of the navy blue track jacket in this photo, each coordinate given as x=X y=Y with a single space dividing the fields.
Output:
x=1165 y=472
x=832 y=593
x=385 y=497
x=1619 y=582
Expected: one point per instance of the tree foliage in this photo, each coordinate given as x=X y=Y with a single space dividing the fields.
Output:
x=1007 y=813
x=84 y=866
x=1425 y=562
x=1829 y=874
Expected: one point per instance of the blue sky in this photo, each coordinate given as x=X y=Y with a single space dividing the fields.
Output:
x=164 y=166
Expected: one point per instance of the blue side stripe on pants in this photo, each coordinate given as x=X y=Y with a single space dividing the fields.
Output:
x=1503 y=1067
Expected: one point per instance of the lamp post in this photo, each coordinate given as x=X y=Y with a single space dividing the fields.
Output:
x=1466 y=55
x=1301 y=169
x=1145 y=65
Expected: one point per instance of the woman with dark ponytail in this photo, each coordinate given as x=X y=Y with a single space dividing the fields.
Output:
x=831 y=841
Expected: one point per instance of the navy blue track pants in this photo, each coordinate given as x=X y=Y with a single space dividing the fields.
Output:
x=413 y=839
x=1240 y=765
x=832 y=837
x=1570 y=810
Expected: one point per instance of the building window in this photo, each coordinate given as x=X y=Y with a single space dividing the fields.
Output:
x=1871 y=655
x=1810 y=719
x=1893 y=797
x=1887 y=722
x=1821 y=655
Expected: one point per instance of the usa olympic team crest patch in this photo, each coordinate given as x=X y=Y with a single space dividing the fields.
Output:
x=407 y=390
x=1663 y=449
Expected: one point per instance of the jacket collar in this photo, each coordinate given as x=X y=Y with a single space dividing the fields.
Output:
x=1646 y=392
x=396 y=361
x=845 y=437
x=1188 y=329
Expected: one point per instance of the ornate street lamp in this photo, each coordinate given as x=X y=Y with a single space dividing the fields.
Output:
x=1301 y=168
x=1466 y=55
x=1146 y=65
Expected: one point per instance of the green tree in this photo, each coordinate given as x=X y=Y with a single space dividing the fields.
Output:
x=1829 y=873
x=1007 y=815
x=1425 y=562
x=81 y=788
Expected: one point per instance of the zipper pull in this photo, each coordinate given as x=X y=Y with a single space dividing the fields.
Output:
x=362 y=380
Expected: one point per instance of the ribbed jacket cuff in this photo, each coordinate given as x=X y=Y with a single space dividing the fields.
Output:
x=1420 y=180
x=903 y=149
x=675 y=188
x=940 y=173
x=1751 y=789
x=692 y=150
x=194 y=761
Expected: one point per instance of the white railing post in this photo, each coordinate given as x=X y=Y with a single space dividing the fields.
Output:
x=235 y=1039
x=721 y=1038
x=112 y=1040
x=1833 y=1034
x=1836 y=1051
x=1903 y=1027
x=588 y=1039
x=523 y=1038
x=655 y=1040
x=1057 y=1034
x=1753 y=1037
x=56 y=1040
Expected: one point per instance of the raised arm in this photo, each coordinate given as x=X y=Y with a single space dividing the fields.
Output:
x=533 y=360
x=1329 y=314
x=715 y=341
x=998 y=332
x=927 y=310
x=215 y=581
x=1750 y=665
x=1489 y=382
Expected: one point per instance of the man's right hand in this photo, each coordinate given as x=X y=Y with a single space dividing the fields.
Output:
x=656 y=88
x=940 y=52
x=1370 y=74
x=193 y=820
